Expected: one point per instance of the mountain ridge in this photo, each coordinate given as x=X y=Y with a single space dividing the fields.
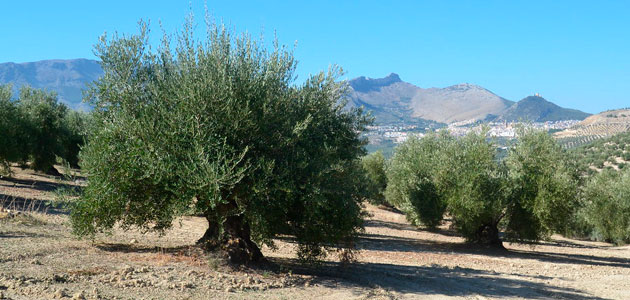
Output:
x=66 y=77
x=390 y=99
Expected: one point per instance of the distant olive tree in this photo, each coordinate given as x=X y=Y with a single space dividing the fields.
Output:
x=529 y=195
x=43 y=117
x=414 y=178
x=606 y=210
x=219 y=128
x=374 y=165
x=10 y=130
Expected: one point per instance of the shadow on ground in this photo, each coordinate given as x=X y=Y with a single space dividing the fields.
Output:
x=32 y=205
x=435 y=280
x=31 y=184
x=400 y=244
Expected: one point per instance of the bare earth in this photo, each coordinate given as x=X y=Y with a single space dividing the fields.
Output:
x=40 y=259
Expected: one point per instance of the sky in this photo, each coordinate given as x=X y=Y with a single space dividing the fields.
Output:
x=574 y=53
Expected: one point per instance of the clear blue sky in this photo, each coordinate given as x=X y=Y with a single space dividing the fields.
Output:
x=574 y=53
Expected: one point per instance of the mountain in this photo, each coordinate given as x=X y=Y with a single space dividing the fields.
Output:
x=537 y=109
x=67 y=77
x=392 y=100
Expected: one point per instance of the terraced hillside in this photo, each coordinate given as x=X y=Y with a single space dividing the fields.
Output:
x=608 y=153
x=595 y=127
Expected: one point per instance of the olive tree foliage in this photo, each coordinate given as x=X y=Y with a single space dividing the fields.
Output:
x=10 y=130
x=44 y=121
x=218 y=127
x=606 y=206
x=473 y=187
x=374 y=165
x=414 y=178
x=529 y=195
x=543 y=187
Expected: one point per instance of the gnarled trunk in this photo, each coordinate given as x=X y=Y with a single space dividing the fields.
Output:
x=488 y=235
x=232 y=236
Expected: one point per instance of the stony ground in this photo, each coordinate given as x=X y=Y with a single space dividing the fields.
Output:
x=40 y=259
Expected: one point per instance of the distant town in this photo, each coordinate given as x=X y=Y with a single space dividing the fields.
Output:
x=397 y=134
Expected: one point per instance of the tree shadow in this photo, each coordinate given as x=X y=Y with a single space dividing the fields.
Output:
x=435 y=280
x=132 y=248
x=393 y=243
x=32 y=205
x=38 y=185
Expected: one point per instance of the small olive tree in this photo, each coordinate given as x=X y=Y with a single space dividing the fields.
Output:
x=374 y=165
x=219 y=128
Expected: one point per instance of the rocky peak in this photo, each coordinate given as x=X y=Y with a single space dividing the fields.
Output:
x=366 y=84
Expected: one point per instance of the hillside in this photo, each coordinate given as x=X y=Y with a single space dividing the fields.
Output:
x=607 y=153
x=602 y=125
x=66 y=77
x=392 y=100
x=538 y=109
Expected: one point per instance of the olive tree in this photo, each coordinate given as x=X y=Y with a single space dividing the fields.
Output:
x=374 y=165
x=9 y=130
x=414 y=178
x=473 y=187
x=218 y=127
x=543 y=187
x=606 y=210
x=43 y=127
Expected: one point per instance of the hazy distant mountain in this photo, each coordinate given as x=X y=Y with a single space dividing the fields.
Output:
x=392 y=100
x=66 y=77
x=537 y=109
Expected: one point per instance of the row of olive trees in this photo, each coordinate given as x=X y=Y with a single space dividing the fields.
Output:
x=528 y=195
x=36 y=128
x=532 y=193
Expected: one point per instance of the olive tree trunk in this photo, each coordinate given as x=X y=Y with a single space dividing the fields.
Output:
x=233 y=236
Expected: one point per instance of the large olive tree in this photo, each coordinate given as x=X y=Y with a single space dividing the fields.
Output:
x=219 y=128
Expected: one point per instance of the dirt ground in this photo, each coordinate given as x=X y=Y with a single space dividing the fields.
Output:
x=40 y=259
